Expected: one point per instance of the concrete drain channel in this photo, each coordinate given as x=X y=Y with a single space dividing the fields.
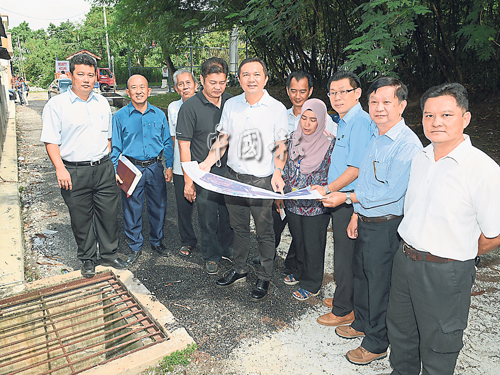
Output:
x=80 y=326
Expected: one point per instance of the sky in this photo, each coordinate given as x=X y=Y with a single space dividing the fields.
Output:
x=40 y=13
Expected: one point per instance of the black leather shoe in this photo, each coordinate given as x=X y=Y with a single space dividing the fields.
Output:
x=88 y=269
x=230 y=278
x=132 y=258
x=162 y=250
x=260 y=290
x=117 y=263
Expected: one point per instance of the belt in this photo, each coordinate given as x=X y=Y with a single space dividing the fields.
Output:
x=238 y=175
x=378 y=219
x=86 y=163
x=145 y=163
x=423 y=256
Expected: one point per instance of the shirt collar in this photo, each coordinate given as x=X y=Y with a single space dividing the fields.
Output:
x=393 y=132
x=351 y=113
x=459 y=153
x=265 y=100
x=131 y=109
x=73 y=97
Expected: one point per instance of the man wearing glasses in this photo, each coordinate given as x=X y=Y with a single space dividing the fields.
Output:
x=353 y=134
x=196 y=131
x=378 y=204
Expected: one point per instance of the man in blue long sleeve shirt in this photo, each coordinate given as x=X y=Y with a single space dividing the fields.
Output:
x=141 y=133
x=378 y=205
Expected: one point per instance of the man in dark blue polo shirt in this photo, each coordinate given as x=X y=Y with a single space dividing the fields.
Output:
x=196 y=131
x=141 y=133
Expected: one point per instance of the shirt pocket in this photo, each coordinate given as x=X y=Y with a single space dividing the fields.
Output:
x=381 y=170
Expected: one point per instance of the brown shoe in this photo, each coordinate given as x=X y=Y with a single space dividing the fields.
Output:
x=361 y=356
x=333 y=320
x=328 y=302
x=347 y=332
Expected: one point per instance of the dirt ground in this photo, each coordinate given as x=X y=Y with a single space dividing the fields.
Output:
x=236 y=336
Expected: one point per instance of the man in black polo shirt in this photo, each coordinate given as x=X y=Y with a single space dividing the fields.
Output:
x=196 y=124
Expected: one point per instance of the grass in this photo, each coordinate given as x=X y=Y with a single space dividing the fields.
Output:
x=167 y=364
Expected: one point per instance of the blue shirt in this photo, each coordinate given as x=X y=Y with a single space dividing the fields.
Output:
x=353 y=134
x=381 y=190
x=81 y=128
x=141 y=136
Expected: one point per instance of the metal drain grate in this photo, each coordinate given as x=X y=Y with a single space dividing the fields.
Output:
x=71 y=327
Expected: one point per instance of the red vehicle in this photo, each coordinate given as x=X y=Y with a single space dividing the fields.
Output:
x=105 y=79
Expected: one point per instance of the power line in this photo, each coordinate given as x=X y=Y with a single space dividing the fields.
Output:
x=43 y=19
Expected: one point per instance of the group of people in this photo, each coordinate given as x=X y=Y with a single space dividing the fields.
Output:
x=407 y=221
x=22 y=88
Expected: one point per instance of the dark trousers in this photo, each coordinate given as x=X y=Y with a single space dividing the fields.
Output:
x=343 y=250
x=374 y=252
x=279 y=226
x=92 y=205
x=427 y=313
x=184 y=213
x=152 y=185
x=239 y=215
x=216 y=233
x=309 y=236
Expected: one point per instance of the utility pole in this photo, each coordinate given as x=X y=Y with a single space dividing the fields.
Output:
x=21 y=63
x=233 y=50
x=107 y=39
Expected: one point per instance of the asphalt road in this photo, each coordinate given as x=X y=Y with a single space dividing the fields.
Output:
x=217 y=319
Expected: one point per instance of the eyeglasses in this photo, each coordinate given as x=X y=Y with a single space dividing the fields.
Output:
x=340 y=93
x=375 y=171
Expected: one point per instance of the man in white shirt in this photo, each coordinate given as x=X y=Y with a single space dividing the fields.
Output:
x=450 y=217
x=185 y=84
x=77 y=135
x=255 y=126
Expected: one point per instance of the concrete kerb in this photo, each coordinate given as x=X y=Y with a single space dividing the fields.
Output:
x=11 y=245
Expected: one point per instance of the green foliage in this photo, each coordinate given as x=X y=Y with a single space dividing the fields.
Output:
x=164 y=100
x=385 y=29
x=167 y=364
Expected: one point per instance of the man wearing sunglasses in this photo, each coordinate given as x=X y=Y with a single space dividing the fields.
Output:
x=378 y=199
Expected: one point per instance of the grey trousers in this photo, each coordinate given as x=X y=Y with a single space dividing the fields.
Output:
x=427 y=313
x=239 y=216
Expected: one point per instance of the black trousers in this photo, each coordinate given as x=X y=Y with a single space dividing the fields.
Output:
x=309 y=236
x=427 y=314
x=184 y=213
x=374 y=252
x=279 y=226
x=92 y=205
x=343 y=250
x=239 y=216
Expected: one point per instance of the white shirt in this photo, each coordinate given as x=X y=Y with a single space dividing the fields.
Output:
x=253 y=131
x=449 y=202
x=293 y=122
x=173 y=112
x=80 y=128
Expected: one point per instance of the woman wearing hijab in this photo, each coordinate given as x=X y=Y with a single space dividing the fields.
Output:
x=307 y=164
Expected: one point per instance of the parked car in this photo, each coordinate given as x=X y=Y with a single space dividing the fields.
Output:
x=58 y=86
x=12 y=94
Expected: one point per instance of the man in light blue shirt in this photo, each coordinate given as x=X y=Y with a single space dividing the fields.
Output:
x=378 y=204
x=354 y=131
x=141 y=133
x=77 y=135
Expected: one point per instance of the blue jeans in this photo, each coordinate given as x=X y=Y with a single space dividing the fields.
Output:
x=152 y=183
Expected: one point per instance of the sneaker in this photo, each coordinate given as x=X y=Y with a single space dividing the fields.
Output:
x=211 y=267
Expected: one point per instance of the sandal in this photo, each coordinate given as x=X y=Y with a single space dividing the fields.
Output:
x=290 y=280
x=185 y=251
x=304 y=295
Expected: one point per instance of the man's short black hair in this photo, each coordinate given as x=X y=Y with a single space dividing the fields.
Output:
x=214 y=65
x=401 y=91
x=253 y=59
x=298 y=75
x=82 y=59
x=343 y=74
x=456 y=90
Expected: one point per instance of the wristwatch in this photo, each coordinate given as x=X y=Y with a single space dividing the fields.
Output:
x=327 y=190
x=348 y=199
x=170 y=167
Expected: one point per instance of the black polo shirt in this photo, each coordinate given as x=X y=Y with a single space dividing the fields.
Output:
x=197 y=122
